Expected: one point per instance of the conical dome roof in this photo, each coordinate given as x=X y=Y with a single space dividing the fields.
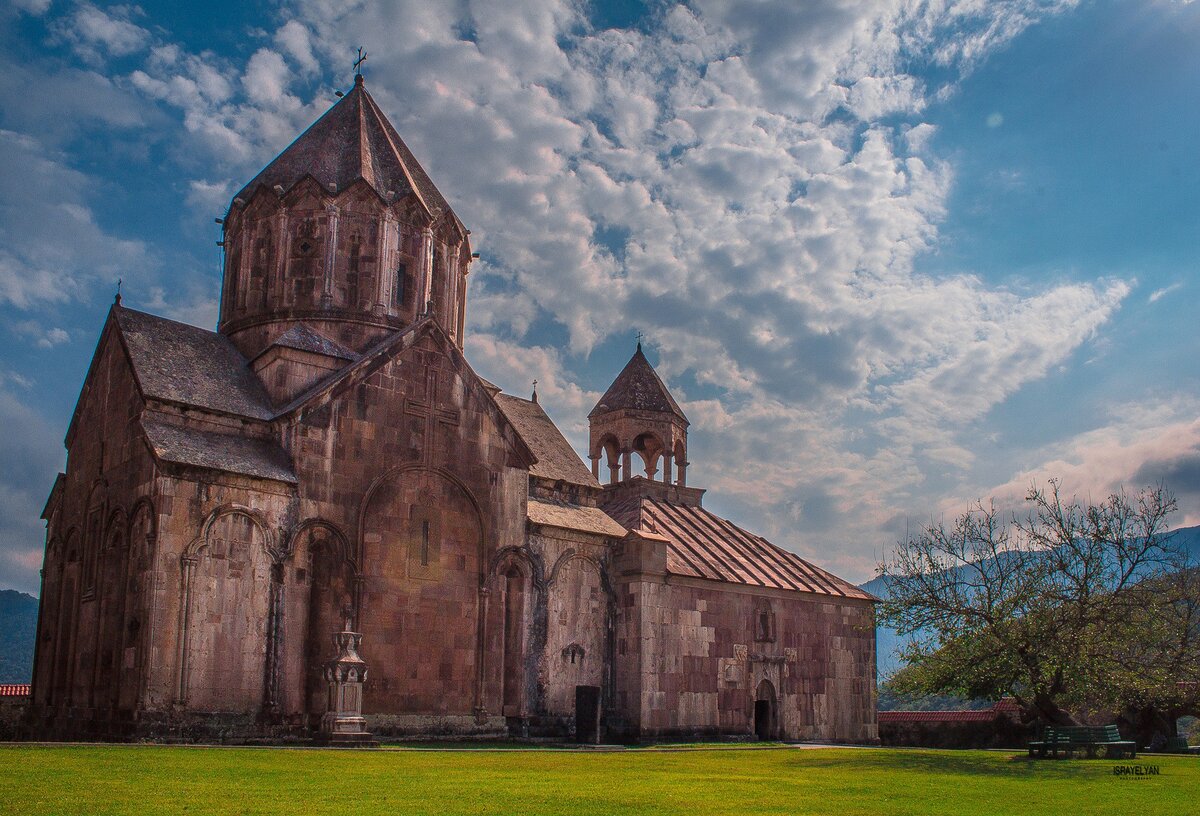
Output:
x=352 y=140
x=639 y=388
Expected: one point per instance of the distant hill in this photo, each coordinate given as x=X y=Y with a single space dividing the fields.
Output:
x=887 y=642
x=18 y=626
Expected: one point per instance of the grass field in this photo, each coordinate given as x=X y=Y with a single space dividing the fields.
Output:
x=156 y=779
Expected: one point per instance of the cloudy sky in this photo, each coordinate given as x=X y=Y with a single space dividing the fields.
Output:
x=890 y=255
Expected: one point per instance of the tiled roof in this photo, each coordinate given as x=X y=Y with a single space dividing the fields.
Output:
x=984 y=715
x=14 y=690
x=303 y=338
x=352 y=140
x=261 y=458
x=639 y=388
x=704 y=545
x=556 y=459
x=573 y=517
x=184 y=364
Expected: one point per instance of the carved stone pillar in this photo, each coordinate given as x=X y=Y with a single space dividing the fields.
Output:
x=343 y=722
x=426 y=303
x=331 y=239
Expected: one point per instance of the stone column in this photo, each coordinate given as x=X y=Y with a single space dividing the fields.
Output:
x=343 y=722
x=331 y=239
x=595 y=457
x=425 y=306
x=387 y=264
x=626 y=465
x=667 y=457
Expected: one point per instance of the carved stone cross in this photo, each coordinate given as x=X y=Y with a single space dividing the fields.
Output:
x=427 y=408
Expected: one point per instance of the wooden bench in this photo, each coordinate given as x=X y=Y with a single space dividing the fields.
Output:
x=1065 y=740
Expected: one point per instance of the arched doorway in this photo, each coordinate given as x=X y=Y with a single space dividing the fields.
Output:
x=766 y=712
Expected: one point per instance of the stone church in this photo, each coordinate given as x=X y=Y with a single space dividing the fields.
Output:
x=329 y=459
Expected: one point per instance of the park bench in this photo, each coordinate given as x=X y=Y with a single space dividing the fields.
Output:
x=1176 y=745
x=1065 y=740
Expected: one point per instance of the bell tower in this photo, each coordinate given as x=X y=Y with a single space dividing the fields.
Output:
x=638 y=429
x=343 y=234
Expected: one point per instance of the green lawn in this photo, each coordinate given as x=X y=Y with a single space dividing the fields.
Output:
x=158 y=779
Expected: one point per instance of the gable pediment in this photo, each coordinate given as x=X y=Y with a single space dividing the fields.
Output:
x=438 y=385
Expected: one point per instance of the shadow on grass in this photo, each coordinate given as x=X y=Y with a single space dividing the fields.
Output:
x=966 y=763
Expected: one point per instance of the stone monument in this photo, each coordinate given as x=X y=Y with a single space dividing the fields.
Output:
x=343 y=722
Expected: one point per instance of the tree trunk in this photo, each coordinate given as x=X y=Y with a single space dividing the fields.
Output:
x=1045 y=709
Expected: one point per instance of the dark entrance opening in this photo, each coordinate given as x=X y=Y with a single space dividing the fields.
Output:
x=766 y=712
x=587 y=714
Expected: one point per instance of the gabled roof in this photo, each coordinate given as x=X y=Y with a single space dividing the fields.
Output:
x=639 y=388
x=388 y=349
x=704 y=545
x=303 y=338
x=183 y=364
x=260 y=458
x=556 y=459
x=352 y=140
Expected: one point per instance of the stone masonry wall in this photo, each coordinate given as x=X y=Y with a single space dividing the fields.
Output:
x=90 y=648
x=705 y=654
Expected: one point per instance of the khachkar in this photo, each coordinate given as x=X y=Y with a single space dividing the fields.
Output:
x=343 y=722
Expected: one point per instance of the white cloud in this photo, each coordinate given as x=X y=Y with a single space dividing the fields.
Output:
x=39 y=334
x=96 y=34
x=32 y=452
x=1159 y=294
x=34 y=7
x=731 y=178
x=1140 y=443
x=53 y=246
x=294 y=39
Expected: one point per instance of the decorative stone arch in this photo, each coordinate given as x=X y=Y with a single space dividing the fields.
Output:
x=521 y=558
x=72 y=551
x=607 y=445
x=94 y=533
x=572 y=642
x=259 y=520
x=571 y=555
x=116 y=531
x=70 y=594
x=143 y=525
x=430 y=566
x=341 y=541
x=649 y=447
x=520 y=591
x=222 y=660
x=142 y=531
x=111 y=595
x=412 y=467
x=327 y=577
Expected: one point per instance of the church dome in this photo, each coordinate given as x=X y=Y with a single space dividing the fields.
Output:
x=344 y=232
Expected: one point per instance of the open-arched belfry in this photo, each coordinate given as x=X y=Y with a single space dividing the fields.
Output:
x=328 y=458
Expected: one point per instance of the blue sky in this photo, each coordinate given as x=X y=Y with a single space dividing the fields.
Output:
x=891 y=256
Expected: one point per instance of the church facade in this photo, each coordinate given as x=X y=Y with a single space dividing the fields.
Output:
x=328 y=459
